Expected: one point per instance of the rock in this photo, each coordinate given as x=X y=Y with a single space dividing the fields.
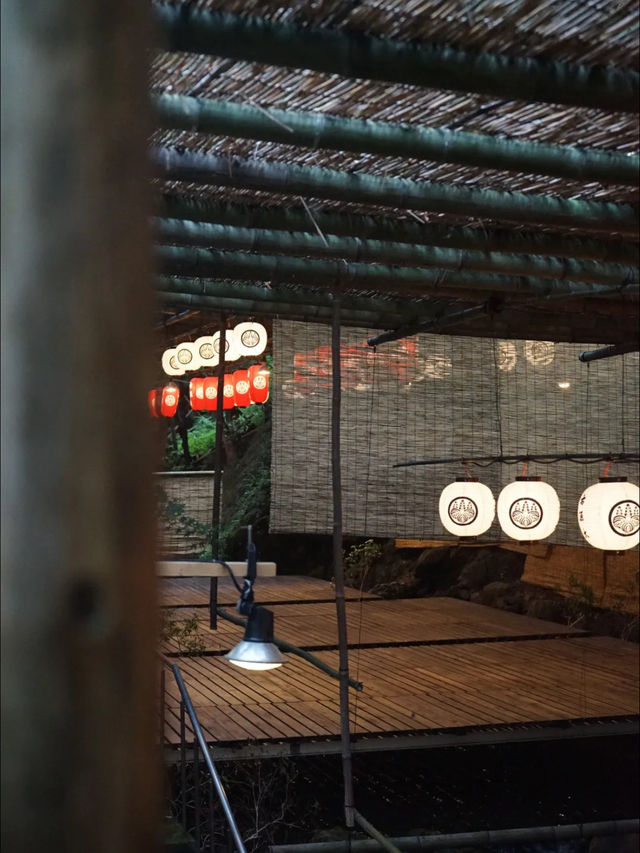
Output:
x=550 y=609
x=503 y=595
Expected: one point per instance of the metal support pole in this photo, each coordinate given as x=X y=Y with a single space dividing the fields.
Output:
x=213 y=603
x=338 y=571
x=608 y=352
x=385 y=843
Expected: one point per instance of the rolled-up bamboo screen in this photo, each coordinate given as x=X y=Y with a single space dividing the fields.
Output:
x=432 y=396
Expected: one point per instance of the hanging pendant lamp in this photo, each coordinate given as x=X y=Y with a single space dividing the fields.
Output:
x=186 y=356
x=241 y=388
x=196 y=393
x=250 y=338
x=230 y=349
x=152 y=400
x=467 y=507
x=528 y=509
x=205 y=352
x=609 y=514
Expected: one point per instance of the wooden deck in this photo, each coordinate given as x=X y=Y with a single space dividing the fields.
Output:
x=430 y=667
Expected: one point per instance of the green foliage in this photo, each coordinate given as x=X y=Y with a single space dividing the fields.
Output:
x=244 y=421
x=359 y=560
x=184 y=632
x=251 y=506
x=580 y=606
x=202 y=435
x=174 y=514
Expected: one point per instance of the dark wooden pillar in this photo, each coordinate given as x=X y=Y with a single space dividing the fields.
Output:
x=78 y=633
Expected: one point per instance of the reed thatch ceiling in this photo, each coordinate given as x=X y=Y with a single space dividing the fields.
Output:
x=600 y=35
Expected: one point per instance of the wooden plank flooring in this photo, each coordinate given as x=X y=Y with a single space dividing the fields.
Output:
x=466 y=683
x=194 y=592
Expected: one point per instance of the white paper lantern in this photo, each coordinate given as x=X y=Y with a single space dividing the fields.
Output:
x=170 y=363
x=528 y=509
x=230 y=349
x=609 y=514
x=187 y=356
x=467 y=507
x=205 y=351
x=250 y=338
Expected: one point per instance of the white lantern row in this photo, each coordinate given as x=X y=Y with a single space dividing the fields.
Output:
x=529 y=510
x=246 y=339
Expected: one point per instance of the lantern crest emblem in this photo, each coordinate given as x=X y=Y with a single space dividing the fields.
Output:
x=463 y=510
x=525 y=513
x=624 y=518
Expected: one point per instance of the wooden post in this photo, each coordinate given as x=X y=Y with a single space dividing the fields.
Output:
x=79 y=692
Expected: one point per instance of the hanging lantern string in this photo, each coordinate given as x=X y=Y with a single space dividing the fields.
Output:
x=606 y=469
x=524 y=469
x=484 y=461
x=467 y=469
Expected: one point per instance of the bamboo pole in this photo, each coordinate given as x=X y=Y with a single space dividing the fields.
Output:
x=358 y=55
x=320 y=130
x=220 y=237
x=338 y=569
x=197 y=263
x=388 y=229
x=79 y=699
x=516 y=321
x=481 y=838
x=402 y=193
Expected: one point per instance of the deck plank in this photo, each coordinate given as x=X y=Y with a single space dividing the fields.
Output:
x=531 y=672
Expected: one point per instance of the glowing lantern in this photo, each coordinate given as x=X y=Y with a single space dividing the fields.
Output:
x=170 y=363
x=205 y=352
x=259 y=380
x=241 y=386
x=186 y=356
x=169 y=401
x=152 y=400
x=210 y=393
x=196 y=394
x=467 y=507
x=250 y=338
x=609 y=514
x=228 y=392
x=528 y=509
x=230 y=349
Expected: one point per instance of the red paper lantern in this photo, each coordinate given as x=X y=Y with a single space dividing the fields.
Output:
x=152 y=400
x=210 y=392
x=259 y=381
x=228 y=392
x=196 y=394
x=169 y=402
x=241 y=387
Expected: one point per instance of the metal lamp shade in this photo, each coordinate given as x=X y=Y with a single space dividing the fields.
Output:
x=528 y=509
x=609 y=514
x=257 y=650
x=467 y=507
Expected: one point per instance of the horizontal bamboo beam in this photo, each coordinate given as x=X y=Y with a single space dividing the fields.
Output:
x=204 y=234
x=315 y=182
x=386 y=228
x=374 y=306
x=419 y=281
x=319 y=130
x=511 y=323
x=355 y=54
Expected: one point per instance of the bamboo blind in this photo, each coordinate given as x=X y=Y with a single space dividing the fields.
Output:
x=195 y=492
x=433 y=396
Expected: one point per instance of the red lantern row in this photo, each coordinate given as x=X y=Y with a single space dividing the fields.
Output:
x=164 y=401
x=241 y=389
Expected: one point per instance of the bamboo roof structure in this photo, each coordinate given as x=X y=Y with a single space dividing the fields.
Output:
x=464 y=159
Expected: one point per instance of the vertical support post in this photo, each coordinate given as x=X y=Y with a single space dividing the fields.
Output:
x=213 y=603
x=212 y=819
x=217 y=476
x=79 y=689
x=338 y=572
